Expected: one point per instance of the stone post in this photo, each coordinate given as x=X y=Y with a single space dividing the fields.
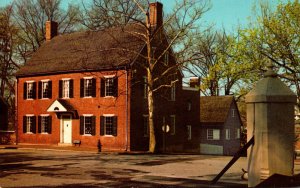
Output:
x=270 y=118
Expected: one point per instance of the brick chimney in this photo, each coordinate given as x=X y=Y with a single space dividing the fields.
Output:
x=194 y=82
x=156 y=14
x=51 y=30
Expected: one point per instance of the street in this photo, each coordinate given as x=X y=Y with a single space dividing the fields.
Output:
x=52 y=168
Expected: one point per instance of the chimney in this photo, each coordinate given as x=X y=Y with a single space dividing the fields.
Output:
x=194 y=82
x=51 y=30
x=156 y=14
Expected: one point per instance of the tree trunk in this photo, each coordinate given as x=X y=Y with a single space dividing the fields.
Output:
x=152 y=139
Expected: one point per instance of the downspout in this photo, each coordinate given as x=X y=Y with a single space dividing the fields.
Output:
x=126 y=111
x=16 y=111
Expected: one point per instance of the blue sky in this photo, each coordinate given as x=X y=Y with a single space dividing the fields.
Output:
x=224 y=13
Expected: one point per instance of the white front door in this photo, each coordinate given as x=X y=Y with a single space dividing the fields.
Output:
x=66 y=129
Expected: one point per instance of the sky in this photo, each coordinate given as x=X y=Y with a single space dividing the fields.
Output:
x=226 y=14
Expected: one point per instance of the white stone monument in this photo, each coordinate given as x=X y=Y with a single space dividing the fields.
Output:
x=270 y=118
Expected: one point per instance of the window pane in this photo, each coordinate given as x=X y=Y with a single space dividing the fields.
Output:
x=44 y=124
x=109 y=87
x=87 y=125
x=29 y=123
x=45 y=89
x=88 y=88
x=108 y=121
x=29 y=90
x=216 y=134
x=66 y=89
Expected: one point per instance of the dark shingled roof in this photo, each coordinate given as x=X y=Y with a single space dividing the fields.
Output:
x=85 y=51
x=214 y=109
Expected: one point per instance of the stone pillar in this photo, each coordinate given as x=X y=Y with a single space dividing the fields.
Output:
x=270 y=118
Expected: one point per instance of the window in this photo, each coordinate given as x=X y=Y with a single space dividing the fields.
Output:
x=108 y=125
x=227 y=134
x=238 y=133
x=146 y=125
x=145 y=87
x=172 y=124
x=166 y=60
x=189 y=132
x=109 y=86
x=29 y=124
x=29 y=90
x=66 y=88
x=213 y=134
x=44 y=124
x=189 y=106
x=45 y=89
x=88 y=87
x=87 y=125
x=173 y=92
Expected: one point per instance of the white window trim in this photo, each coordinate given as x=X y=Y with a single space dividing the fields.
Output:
x=110 y=76
x=45 y=80
x=63 y=89
x=28 y=115
x=227 y=134
x=29 y=82
x=218 y=130
x=238 y=133
x=109 y=115
x=86 y=115
x=189 y=128
x=89 y=77
x=42 y=94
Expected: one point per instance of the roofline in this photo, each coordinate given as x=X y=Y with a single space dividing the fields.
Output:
x=124 y=67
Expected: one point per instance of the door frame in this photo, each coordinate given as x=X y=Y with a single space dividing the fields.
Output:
x=63 y=119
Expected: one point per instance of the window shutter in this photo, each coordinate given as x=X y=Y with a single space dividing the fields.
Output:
x=60 y=88
x=115 y=86
x=34 y=90
x=102 y=89
x=93 y=125
x=33 y=128
x=71 y=88
x=49 y=124
x=82 y=87
x=94 y=87
x=50 y=89
x=25 y=90
x=40 y=90
x=101 y=125
x=115 y=125
x=24 y=124
x=39 y=124
x=81 y=125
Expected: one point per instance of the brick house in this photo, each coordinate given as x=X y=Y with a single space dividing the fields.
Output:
x=220 y=125
x=3 y=114
x=90 y=87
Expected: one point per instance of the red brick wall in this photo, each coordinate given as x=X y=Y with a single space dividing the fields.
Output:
x=96 y=106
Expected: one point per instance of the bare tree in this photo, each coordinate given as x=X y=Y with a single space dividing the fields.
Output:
x=31 y=16
x=101 y=14
x=161 y=38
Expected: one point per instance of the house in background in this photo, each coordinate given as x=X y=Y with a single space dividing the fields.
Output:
x=89 y=87
x=3 y=114
x=220 y=125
